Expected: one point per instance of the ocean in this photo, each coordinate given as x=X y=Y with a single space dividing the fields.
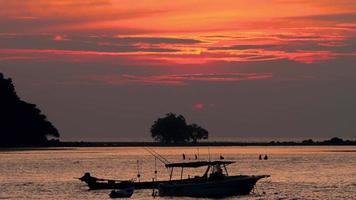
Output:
x=313 y=172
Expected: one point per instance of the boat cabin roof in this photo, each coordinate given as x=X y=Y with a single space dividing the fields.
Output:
x=197 y=164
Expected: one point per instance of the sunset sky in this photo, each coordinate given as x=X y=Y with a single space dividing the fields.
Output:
x=104 y=70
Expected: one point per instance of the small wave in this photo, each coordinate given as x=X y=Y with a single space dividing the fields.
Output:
x=25 y=184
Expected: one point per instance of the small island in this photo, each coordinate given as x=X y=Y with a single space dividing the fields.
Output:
x=22 y=124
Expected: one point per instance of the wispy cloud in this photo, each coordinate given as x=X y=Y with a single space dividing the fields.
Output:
x=93 y=43
x=177 y=33
x=335 y=17
x=178 y=79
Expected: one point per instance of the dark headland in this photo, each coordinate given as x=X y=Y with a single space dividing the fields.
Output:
x=21 y=123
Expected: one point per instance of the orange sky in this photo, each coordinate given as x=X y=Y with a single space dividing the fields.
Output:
x=274 y=29
x=178 y=43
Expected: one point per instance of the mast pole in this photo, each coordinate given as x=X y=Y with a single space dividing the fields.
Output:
x=209 y=153
x=170 y=176
x=227 y=174
x=181 y=174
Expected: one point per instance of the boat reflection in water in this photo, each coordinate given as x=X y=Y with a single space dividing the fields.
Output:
x=122 y=193
x=215 y=182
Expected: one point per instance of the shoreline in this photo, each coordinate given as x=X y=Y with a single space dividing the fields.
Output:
x=213 y=143
x=70 y=145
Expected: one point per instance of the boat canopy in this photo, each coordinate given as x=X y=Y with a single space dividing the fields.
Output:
x=197 y=164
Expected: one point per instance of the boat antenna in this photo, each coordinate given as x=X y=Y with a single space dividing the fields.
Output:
x=209 y=153
x=155 y=168
x=198 y=152
x=158 y=156
x=138 y=170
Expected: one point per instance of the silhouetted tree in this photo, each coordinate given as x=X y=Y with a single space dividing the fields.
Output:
x=21 y=123
x=197 y=133
x=308 y=142
x=173 y=129
x=170 y=129
x=334 y=141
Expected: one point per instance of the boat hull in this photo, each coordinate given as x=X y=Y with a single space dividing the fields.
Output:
x=229 y=186
x=120 y=185
x=100 y=185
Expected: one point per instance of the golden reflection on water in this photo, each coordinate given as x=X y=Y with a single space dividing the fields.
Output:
x=315 y=172
x=202 y=150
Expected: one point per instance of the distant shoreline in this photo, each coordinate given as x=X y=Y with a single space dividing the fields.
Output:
x=49 y=148
x=74 y=145
x=56 y=143
x=155 y=144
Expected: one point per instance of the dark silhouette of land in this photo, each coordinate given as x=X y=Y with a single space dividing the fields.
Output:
x=173 y=129
x=331 y=142
x=21 y=123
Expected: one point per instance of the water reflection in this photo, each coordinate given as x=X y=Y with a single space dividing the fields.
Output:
x=297 y=172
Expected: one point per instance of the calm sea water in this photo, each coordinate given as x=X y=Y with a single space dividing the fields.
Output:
x=296 y=172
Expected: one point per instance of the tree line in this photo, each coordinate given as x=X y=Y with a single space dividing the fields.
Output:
x=21 y=123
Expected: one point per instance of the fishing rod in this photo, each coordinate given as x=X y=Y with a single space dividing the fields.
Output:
x=157 y=155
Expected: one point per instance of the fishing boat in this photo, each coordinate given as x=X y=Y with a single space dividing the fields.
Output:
x=95 y=183
x=215 y=183
x=101 y=183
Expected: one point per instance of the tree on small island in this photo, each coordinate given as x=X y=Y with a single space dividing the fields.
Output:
x=174 y=129
x=21 y=123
